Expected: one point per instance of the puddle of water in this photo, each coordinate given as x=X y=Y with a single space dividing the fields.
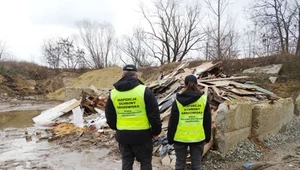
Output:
x=18 y=119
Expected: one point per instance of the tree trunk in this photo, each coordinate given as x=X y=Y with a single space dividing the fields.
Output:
x=219 y=32
x=298 y=41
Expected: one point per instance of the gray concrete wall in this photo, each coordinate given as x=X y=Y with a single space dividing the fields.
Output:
x=271 y=117
x=233 y=124
x=236 y=121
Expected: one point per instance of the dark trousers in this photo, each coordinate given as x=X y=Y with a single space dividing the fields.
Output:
x=142 y=153
x=196 y=151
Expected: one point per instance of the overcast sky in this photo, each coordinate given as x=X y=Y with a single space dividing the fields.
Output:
x=25 y=24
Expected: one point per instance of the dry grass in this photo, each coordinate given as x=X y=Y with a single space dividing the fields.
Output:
x=22 y=77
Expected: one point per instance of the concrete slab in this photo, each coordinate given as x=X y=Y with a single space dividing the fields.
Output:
x=269 y=118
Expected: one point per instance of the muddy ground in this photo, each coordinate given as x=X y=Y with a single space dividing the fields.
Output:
x=24 y=146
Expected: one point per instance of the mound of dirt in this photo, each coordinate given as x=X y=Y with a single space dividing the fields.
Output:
x=103 y=78
x=16 y=86
x=52 y=84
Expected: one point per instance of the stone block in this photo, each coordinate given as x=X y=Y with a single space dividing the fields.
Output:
x=233 y=124
x=269 y=118
x=233 y=116
x=228 y=140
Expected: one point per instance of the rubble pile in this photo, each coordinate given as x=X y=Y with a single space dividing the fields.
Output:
x=88 y=112
x=214 y=83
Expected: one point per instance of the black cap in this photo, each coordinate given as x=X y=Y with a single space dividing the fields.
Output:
x=190 y=78
x=129 y=67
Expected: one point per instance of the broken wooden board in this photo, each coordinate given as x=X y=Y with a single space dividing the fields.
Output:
x=71 y=106
x=187 y=71
x=165 y=114
x=165 y=122
x=222 y=79
x=47 y=117
x=243 y=92
x=202 y=68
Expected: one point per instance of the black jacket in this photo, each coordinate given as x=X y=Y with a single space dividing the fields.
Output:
x=134 y=136
x=187 y=98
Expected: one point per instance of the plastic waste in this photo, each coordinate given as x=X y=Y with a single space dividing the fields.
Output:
x=78 y=117
x=164 y=150
x=249 y=165
x=98 y=122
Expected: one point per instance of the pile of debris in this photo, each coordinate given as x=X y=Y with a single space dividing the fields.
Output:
x=214 y=83
x=89 y=111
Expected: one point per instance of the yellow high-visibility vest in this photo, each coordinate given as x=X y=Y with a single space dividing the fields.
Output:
x=190 y=124
x=130 y=108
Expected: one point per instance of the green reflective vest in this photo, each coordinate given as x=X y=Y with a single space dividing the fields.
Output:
x=190 y=125
x=130 y=108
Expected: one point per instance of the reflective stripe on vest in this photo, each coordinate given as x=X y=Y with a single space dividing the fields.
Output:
x=190 y=124
x=130 y=108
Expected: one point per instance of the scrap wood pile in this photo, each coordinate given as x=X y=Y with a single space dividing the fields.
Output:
x=212 y=82
x=75 y=117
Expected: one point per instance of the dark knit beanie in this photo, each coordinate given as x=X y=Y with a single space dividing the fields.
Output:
x=190 y=78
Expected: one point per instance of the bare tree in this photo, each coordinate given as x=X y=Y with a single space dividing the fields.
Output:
x=61 y=53
x=297 y=20
x=71 y=56
x=52 y=52
x=133 y=46
x=98 y=39
x=221 y=35
x=174 y=29
x=2 y=49
x=276 y=17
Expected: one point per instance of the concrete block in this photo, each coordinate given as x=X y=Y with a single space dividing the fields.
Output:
x=75 y=93
x=227 y=141
x=234 y=116
x=269 y=118
x=233 y=124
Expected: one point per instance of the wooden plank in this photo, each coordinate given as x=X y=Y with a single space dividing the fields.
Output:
x=202 y=68
x=220 y=83
x=227 y=78
x=166 y=98
x=166 y=113
x=207 y=146
x=187 y=71
x=244 y=92
x=261 y=89
x=216 y=90
x=72 y=106
x=242 y=86
x=165 y=122
x=173 y=88
x=204 y=85
x=175 y=72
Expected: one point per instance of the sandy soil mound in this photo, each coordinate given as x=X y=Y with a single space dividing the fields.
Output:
x=103 y=78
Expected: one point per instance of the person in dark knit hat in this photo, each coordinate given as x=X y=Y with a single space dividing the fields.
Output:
x=132 y=110
x=189 y=124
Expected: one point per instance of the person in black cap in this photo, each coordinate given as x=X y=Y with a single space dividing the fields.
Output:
x=132 y=110
x=189 y=124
